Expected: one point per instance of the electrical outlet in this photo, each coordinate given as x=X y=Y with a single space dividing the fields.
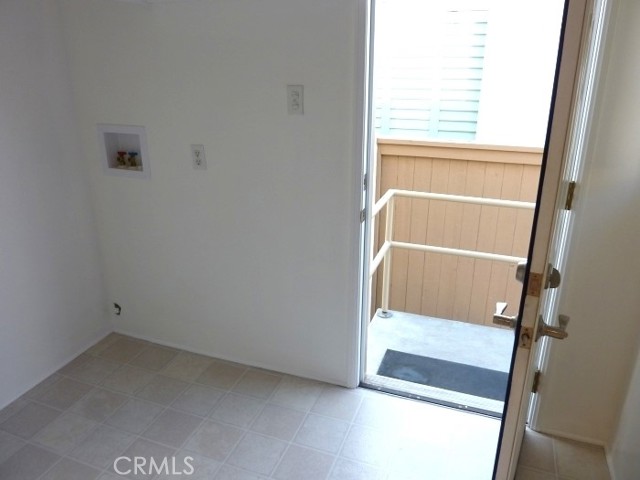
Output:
x=295 y=99
x=198 y=158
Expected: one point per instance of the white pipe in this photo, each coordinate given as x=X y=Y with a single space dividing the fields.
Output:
x=458 y=252
x=492 y=202
x=388 y=237
x=379 y=205
x=375 y=263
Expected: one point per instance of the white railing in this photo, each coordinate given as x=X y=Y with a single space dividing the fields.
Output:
x=384 y=255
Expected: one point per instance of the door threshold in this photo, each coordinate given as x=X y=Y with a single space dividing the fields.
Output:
x=438 y=396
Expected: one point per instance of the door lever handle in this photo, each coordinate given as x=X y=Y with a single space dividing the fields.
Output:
x=553 y=278
x=559 y=332
x=521 y=268
x=504 y=320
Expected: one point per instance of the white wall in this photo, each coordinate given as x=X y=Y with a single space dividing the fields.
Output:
x=623 y=444
x=624 y=457
x=51 y=291
x=255 y=259
x=585 y=388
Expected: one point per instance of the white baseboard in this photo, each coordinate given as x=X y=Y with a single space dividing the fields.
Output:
x=227 y=359
x=612 y=472
x=570 y=436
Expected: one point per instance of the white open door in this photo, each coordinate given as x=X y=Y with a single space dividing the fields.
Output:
x=572 y=93
x=578 y=142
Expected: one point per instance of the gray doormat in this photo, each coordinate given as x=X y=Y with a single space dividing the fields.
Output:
x=458 y=377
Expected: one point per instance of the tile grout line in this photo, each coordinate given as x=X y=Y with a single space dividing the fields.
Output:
x=129 y=396
x=556 y=470
x=31 y=440
x=255 y=419
x=307 y=412
x=208 y=418
x=284 y=453
x=138 y=436
x=344 y=440
x=252 y=422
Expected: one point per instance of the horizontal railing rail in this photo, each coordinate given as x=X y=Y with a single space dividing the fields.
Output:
x=384 y=255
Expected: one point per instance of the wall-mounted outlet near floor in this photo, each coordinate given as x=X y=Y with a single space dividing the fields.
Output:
x=117 y=309
x=198 y=158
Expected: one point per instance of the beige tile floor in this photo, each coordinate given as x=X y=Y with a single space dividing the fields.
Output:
x=547 y=458
x=126 y=397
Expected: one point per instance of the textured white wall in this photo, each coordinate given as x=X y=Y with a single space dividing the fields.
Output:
x=255 y=259
x=624 y=457
x=51 y=291
x=589 y=376
x=622 y=125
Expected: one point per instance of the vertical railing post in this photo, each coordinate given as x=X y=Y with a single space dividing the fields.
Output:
x=386 y=274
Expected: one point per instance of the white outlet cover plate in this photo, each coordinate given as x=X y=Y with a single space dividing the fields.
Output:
x=198 y=158
x=295 y=99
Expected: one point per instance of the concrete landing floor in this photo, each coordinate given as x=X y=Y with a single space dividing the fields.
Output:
x=481 y=346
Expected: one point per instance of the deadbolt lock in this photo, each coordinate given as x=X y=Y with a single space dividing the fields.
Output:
x=526 y=337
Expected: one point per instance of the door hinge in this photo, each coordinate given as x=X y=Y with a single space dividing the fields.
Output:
x=571 y=190
x=365 y=181
x=363 y=215
x=536 y=381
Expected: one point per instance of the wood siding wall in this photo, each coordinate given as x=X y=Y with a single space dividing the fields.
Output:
x=445 y=286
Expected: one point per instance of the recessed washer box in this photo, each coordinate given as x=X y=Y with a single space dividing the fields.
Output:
x=124 y=150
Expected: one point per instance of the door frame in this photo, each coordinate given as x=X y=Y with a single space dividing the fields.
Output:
x=517 y=403
x=364 y=150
